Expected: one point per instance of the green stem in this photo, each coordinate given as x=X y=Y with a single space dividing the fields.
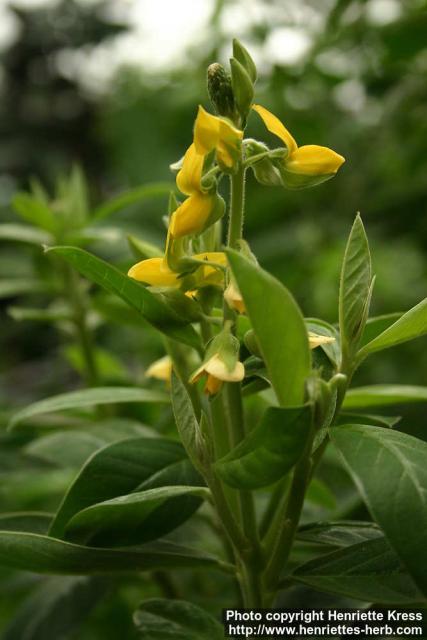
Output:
x=237 y=203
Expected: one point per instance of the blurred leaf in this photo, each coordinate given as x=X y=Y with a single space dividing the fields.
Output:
x=116 y=470
x=35 y=212
x=389 y=469
x=23 y=233
x=269 y=451
x=410 y=325
x=140 y=194
x=29 y=521
x=18 y=286
x=186 y=421
x=56 y=609
x=132 y=518
x=279 y=328
x=42 y=554
x=368 y=571
x=383 y=395
x=87 y=398
x=143 y=250
x=355 y=286
x=159 y=619
x=319 y=494
x=156 y=312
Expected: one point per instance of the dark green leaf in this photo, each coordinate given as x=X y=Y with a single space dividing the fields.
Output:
x=87 y=398
x=279 y=327
x=383 y=395
x=355 y=285
x=186 y=422
x=152 y=308
x=17 y=286
x=389 y=469
x=412 y=324
x=159 y=619
x=368 y=571
x=270 y=450
x=120 y=468
x=30 y=521
x=42 y=554
x=136 y=517
x=339 y=534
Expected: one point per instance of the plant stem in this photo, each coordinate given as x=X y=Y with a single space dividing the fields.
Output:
x=237 y=203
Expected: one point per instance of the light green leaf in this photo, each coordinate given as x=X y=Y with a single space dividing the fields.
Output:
x=410 y=325
x=159 y=619
x=35 y=211
x=136 y=517
x=155 y=311
x=130 y=197
x=57 y=608
x=19 y=286
x=279 y=327
x=389 y=469
x=355 y=286
x=23 y=233
x=358 y=418
x=142 y=249
x=269 y=451
x=368 y=571
x=42 y=554
x=134 y=464
x=87 y=398
x=377 y=324
x=23 y=314
x=383 y=395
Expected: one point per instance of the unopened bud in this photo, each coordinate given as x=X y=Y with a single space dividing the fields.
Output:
x=220 y=90
x=243 y=89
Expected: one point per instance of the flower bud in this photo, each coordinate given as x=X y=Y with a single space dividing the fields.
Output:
x=243 y=88
x=242 y=55
x=220 y=90
x=233 y=297
x=221 y=363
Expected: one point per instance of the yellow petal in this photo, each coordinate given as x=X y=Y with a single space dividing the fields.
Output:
x=206 y=132
x=217 y=368
x=192 y=215
x=315 y=339
x=160 y=369
x=154 y=272
x=274 y=125
x=233 y=298
x=212 y=386
x=207 y=275
x=190 y=174
x=314 y=160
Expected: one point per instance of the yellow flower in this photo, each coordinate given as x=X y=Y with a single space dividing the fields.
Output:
x=233 y=297
x=217 y=372
x=303 y=166
x=212 y=132
x=160 y=369
x=154 y=272
x=193 y=214
x=315 y=340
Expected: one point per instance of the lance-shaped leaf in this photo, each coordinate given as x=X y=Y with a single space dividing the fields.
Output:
x=43 y=554
x=389 y=469
x=133 y=196
x=380 y=395
x=339 y=534
x=160 y=315
x=159 y=619
x=269 y=451
x=124 y=467
x=23 y=233
x=187 y=424
x=377 y=324
x=87 y=398
x=355 y=288
x=35 y=211
x=134 y=518
x=368 y=571
x=279 y=327
x=410 y=325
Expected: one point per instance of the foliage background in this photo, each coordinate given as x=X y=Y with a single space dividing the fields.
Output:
x=114 y=87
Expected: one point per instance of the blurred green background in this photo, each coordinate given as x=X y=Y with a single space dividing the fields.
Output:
x=114 y=86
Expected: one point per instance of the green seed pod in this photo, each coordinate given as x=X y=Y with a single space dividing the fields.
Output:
x=242 y=55
x=243 y=88
x=220 y=90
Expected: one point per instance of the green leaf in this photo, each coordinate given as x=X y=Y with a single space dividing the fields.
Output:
x=320 y=495
x=142 y=249
x=87 y=398
x=152 y=309
x=35 y=211
x=384 y=395
x=23 y=233
x=339 y=534
x=120 y=468
x=186 y=422
x=135 y=518
x=57 y=608
x=269 y=451
x=43 y=554
x=412 y=324
x=159 y=619
x=368 y=571
x=355 y=286
x=30 y=521
x=376 y=325
x=389 y=469
x=130 y=197
x=358 y=418
x=18 y=286
x=279 y=327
